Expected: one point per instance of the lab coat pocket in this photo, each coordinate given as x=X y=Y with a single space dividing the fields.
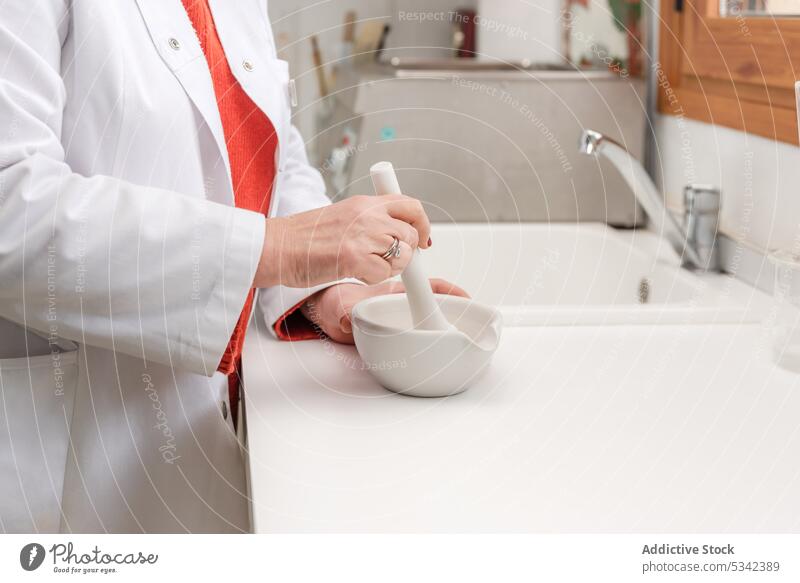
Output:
x=278 y=108
x=272 y=93
x=283 y=79
x=38 y=394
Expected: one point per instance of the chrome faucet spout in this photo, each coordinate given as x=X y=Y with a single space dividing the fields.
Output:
x=590 y=141
x=594 y=143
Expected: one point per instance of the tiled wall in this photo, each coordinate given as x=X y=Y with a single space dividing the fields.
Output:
x=759 y=178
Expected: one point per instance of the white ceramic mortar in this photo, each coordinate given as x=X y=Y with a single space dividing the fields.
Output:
x=418 y=343
x=425 y=363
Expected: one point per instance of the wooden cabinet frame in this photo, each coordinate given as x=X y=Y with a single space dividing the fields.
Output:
x=735 y=71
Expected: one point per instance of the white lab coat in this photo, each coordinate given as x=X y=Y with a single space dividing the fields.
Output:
x=120 y=245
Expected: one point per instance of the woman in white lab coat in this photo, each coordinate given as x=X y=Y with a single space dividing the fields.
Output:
x=124 y=264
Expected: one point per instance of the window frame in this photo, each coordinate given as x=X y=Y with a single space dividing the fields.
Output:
x=734 y=71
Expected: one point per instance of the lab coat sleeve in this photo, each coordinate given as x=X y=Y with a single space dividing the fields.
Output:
x=301 y=189
x=143 y=271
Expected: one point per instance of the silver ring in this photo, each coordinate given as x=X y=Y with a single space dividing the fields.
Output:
x=393 y=250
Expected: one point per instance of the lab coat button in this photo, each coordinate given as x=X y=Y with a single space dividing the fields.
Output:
x=248 y=66
x=224 y=410
x=174 y=44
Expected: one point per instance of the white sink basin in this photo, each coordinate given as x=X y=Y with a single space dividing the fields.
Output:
x=540 y=273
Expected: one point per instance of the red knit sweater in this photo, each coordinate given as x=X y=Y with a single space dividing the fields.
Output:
x=251 y=142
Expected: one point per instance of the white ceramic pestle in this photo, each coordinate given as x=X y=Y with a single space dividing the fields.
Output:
x=425 y=312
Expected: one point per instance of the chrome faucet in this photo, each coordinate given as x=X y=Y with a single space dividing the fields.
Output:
x=697 y=244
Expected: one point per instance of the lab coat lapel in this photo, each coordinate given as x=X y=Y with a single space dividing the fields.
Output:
x=244 y=31
x=176 y=41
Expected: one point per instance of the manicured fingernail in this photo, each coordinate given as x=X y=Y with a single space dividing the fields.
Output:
x=429 y=242
x=345 y=325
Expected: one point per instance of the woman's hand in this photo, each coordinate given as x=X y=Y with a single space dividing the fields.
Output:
x=330 y=308
x=342 y=240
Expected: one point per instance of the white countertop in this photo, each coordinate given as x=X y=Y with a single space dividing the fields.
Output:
x=573 y=429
